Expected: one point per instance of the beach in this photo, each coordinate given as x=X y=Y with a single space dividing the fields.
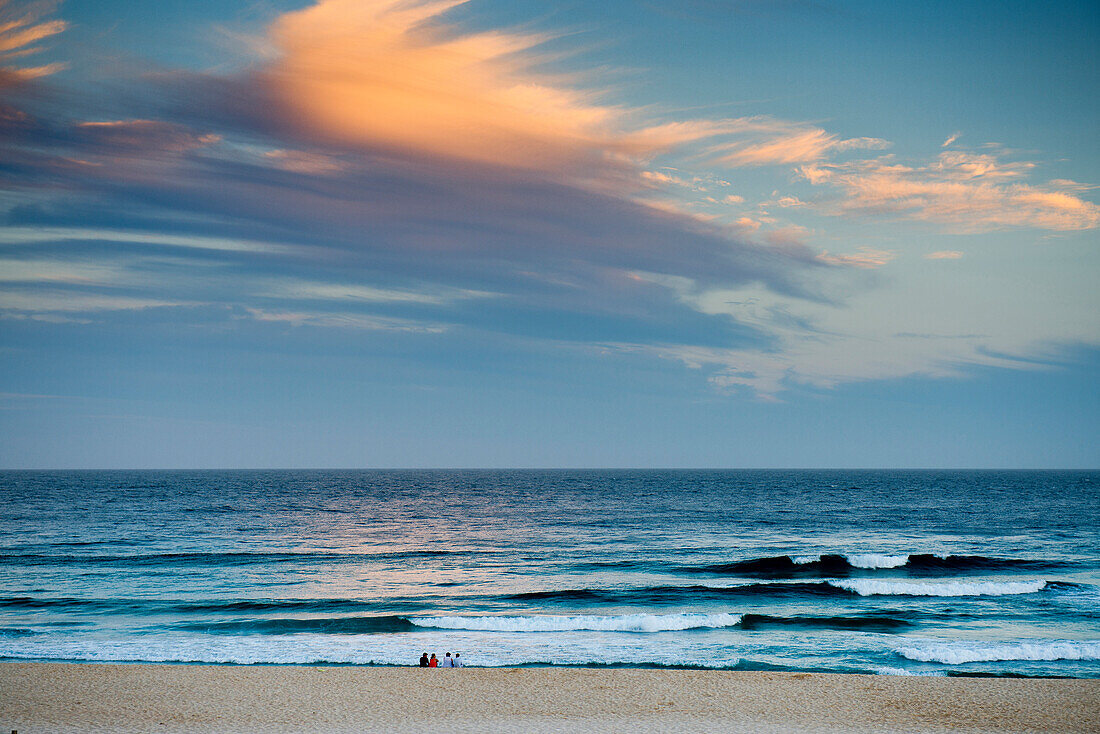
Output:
x=60 y=697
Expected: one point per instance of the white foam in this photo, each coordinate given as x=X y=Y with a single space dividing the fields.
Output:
x=861 y=560
x=875 y=587
x=548 y=623
x=956 y=653
x=887 y=670
x=478 y=649
x=876 y=560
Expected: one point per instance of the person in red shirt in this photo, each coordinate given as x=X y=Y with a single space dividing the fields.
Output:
x=434 y=662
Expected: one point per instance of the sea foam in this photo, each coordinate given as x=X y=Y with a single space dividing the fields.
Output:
x=855 y=560
x=876 y=587
x=956 y=653
x=550 y=623
x=876 y=560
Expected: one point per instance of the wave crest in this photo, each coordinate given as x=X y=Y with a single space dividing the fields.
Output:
x=549 y=623
x=957 y=653
x=836 y=564
x=330 y=626
x=877 y=587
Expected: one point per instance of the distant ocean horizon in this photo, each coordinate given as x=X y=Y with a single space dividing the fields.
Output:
x=907 y=572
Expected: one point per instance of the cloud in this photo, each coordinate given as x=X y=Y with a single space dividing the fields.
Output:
x=867 y=257
x=42 y=300
x=27 y=235
x=944 y=255
x=966 y=192
x=141 y=137
x=344 y=320
x=300 y=161
x=659 y=177
x=40 y=270
x=768 y=141
x=21 y=26
x=391 y=74
x=306 y=290
x=872 y=335
x=381 y=127
x=385 y=170
x=787 y=202
x=398 y=76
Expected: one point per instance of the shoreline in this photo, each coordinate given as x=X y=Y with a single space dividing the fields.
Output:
x=141 y=697
x=552 y=666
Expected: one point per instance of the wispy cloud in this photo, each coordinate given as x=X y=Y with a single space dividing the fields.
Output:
x=965 y=191
x=871 y=336
x=142 y=137
x=27 y=235
x=22 y=26
x=40 y=270
x=866 y=257
x=380 y=168
x=768 y=141
x=344 y=320
x=305 y=290
x=67 y=301
x=301 y=161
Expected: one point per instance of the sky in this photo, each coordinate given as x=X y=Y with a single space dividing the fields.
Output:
x=634 y=233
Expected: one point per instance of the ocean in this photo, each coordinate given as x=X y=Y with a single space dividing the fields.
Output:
x=883 y=572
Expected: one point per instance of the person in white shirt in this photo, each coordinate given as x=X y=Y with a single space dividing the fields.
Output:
x=448 y=662
x=457 y=662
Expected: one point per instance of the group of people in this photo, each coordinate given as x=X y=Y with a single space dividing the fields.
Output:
x=447 y=662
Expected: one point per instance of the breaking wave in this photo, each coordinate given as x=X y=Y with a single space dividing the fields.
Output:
x=835 y=564
x=617 y=623
x=680 y=594
x=863 y=623
x=877 y=587
x=957 y=653
x=791 y=590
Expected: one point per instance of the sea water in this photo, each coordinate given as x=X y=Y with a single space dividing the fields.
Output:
x=891 y=572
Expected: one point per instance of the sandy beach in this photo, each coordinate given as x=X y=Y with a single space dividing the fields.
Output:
x=55 y=697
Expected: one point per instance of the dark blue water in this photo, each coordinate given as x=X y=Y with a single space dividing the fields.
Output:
x=859 y=571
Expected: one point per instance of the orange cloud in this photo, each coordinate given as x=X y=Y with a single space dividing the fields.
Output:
x=967 y=192
x=778 y=142
x=19 y=29
x=395 y=76
x=390 y=74
x=944 y=255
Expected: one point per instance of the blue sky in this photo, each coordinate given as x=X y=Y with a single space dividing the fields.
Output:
x=381 y=234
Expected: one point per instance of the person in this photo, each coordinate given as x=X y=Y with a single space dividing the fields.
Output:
x=458 y=660
x=424 y=660
x=434 y=662
x=447 y=662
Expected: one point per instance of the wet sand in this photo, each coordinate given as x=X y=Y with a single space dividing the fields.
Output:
x=58 y=697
